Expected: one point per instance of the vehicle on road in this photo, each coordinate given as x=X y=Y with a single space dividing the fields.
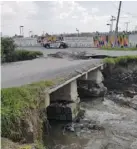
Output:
x=57 y=44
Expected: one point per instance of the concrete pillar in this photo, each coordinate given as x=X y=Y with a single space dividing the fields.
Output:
x=64 y=103
x=96 y=76
x=93 y=86
x=73 y=90
x=66 y=93
x=46 y=100
x=61 y=112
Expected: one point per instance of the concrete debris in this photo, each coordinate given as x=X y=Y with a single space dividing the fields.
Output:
x=83 y=125
x=77 y=55
x=73 y=55
x=91 y=89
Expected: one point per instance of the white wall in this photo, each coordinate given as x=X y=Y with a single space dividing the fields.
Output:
x=74 y=42
x=133 y=39
x=79 y=42
x=26 y=42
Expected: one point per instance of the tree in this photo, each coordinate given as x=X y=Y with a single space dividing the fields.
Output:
x=7 y=49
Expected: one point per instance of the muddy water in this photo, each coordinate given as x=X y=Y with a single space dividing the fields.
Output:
x=118 y=128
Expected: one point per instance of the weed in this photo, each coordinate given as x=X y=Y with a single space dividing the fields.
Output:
x=119 y=49
x=121 y=60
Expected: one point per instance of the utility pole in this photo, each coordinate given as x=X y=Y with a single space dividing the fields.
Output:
x=127 y=26
x=119 y=9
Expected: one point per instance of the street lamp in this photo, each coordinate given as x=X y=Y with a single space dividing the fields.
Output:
x=21 y=30
x=112 y=19
x=110 y=27
x=127 y=26
x=77 y=31
x=30 y=33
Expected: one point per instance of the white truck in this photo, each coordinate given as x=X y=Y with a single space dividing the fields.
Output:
x=56 y=44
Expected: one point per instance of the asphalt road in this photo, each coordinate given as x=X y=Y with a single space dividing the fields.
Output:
x=25 y=72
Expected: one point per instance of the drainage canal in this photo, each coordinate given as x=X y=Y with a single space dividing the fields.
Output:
x=107 y=117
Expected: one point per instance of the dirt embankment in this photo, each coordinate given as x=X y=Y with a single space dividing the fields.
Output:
x=119 y=77
x=23 y=114
x=121 y=81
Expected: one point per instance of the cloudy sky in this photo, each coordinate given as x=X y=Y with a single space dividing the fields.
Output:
x=60 y=17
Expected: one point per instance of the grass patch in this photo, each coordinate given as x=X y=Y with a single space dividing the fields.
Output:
x=21 y=55
x=119 y=49
x=121 y=60
x=20 y=103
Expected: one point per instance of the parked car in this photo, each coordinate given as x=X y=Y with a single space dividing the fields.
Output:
x=57 y=44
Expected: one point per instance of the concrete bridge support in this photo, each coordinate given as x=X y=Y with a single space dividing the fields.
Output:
x=96 y=76
x=67 y=93
x=64 y=103
x=84 y=77
x=91 y=86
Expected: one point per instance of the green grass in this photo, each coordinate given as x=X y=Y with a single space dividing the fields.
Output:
x=21 y=55
x=119 y=49
x=16 y=105
x=121 y=60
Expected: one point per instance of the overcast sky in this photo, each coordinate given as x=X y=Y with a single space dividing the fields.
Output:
x=60 y=17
